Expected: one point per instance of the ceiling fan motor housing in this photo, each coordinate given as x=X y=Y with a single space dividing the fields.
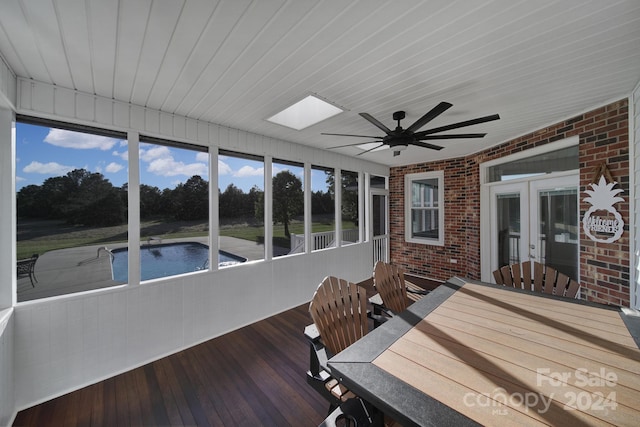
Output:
x=399 y=115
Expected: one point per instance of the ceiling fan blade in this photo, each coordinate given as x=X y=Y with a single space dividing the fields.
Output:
x=426 y=145
x=375 y=122
x=353 y=145
x=452 y=136
x=435 y=112
x=492 y=117
x=345 y=134
x=371 y=149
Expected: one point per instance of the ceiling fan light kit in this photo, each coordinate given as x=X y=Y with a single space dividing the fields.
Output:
x=399 y=139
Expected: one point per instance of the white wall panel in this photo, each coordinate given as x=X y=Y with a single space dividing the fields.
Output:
x=121 y=115
x=23 y=101
x=203 y=132
x=64 y=102
x=166 y=124
x=136 y=120
x=179 y=127
x=7 y=401
x=104 y=111
x=192 y=129
x=85 y=107
x=152 y=121
x=8 y=86
x=42 y=98
x=7 y=210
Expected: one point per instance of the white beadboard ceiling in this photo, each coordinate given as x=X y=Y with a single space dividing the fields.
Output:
x=237 y=62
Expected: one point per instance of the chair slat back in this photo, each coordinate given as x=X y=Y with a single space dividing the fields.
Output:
x=538 y=277
x=545 y=279
x=389 y=282
x=339 y=311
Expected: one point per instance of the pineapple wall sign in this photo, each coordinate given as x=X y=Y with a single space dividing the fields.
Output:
x=602 y=222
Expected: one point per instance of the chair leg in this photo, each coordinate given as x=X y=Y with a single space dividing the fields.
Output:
x=354 y=412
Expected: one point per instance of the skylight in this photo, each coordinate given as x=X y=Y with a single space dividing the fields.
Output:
x=304 y=113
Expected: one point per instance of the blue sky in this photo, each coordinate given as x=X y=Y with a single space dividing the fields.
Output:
x=44 y=152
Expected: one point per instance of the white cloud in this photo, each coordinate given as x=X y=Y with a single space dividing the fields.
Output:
x=51 y=168
x=202 y=157
x=157 y=152
x=162 y=163
x=113 y=167
x=124 y=155
x=167 y=166
x=79 y=140
x=223 y=168
x=248 y=171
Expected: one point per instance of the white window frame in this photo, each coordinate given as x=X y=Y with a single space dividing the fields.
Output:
x=408 y=186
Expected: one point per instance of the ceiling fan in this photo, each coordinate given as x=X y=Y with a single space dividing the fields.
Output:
x=399 y=139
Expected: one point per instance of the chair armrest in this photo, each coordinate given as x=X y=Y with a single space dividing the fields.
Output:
x=311 y=332
x=414 y=289
x=380 y=313
x=418 y=291
x=318 y=356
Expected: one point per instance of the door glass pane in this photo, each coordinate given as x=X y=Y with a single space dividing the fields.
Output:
x=508 y=220
x=379 y=228
x=377 y=182
x=558 y=237
x=554 y=161
x=378 y=223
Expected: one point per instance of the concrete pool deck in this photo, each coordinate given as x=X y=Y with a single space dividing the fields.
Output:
x=85 y=268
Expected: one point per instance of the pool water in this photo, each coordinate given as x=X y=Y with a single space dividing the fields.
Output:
x=168 y=259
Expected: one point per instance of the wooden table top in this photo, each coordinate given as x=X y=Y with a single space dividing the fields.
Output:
x=505 y=358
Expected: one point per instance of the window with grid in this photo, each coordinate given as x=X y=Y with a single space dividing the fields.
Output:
x=424 y=208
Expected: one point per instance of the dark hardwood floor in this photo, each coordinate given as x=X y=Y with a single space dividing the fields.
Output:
x=254 y=376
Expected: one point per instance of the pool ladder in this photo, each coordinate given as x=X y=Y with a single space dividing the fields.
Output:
x=107 y=250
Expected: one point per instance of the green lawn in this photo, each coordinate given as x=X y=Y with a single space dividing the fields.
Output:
x=38 y=237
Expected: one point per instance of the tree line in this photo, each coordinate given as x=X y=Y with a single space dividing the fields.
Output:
x=87 y=198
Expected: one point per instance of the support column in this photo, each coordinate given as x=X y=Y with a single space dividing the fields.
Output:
x=7 y=209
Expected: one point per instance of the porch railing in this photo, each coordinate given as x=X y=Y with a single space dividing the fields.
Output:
x=380 y=248
x=322 y=240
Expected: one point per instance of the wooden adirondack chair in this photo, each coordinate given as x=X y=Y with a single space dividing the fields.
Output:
x=339 y=312
x=536 y=277
x=395 y=292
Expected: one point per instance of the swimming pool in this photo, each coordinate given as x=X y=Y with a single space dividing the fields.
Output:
x=168 y=259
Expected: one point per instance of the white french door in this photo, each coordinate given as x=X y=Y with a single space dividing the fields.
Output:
x=536 y=219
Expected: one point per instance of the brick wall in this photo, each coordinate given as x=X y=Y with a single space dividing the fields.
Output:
x=604 y=267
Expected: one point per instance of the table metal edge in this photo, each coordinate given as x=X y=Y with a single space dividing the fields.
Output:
x=404 y=403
